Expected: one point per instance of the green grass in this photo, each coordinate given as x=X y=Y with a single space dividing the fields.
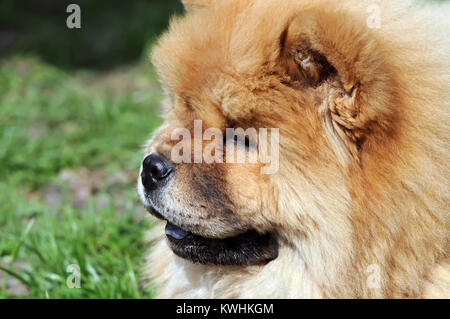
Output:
x=69 y=158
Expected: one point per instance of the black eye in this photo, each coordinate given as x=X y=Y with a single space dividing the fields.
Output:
x=247 y=143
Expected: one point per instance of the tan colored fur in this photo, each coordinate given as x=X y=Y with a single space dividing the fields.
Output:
x=340 y=211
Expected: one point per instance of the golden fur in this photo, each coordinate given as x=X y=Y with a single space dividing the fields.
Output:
x=363 y=179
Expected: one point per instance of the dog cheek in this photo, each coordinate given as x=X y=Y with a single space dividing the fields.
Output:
x=246 y=188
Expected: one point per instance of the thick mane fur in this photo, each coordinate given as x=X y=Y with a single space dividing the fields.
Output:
x=391 y=219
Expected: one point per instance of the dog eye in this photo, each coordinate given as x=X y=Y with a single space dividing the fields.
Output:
x=246 y=141
x=235 y=141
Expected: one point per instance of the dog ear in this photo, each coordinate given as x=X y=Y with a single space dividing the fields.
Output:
x=191 y=5
x=337 y=59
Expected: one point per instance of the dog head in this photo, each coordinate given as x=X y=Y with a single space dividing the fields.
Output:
x=309 y=96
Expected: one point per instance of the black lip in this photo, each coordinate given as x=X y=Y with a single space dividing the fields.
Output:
x=249 y=248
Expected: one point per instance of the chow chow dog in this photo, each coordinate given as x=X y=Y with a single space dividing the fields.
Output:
x=358 y=205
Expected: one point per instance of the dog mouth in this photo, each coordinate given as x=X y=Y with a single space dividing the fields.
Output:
x=248 y=248
x=244 y=249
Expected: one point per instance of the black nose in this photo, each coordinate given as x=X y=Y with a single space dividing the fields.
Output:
x=155 y=170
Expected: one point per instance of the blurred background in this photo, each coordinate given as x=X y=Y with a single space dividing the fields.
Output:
x=75 y=107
